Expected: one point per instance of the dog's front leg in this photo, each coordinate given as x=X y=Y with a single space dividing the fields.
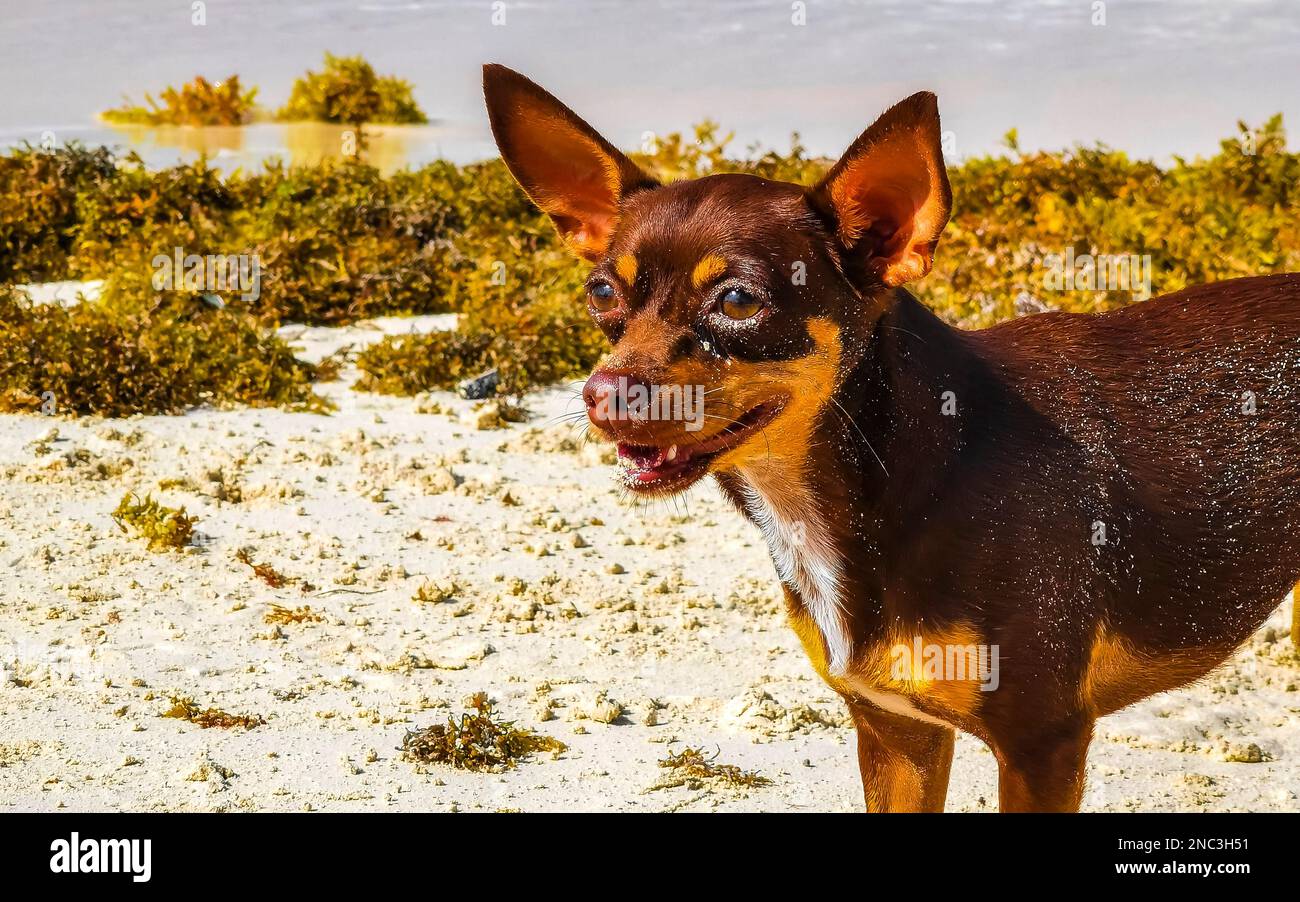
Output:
x=904 y=762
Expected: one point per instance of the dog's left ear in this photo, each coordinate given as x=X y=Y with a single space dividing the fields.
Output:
x=888 y=196
x=564 y=166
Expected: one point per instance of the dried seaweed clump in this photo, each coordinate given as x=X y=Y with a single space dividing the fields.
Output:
x=184 y=708
x=164 y=527
x=265 y=572
x=692 y=766
x=281 y=614
x=479 y=741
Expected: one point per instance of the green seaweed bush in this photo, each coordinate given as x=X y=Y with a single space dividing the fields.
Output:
x=517 y=288
x=39 y=213
x=348 y=91
x=337 y=242
x=532 y=328
x=1201 y=221
x=134 y=216
x=110 y=360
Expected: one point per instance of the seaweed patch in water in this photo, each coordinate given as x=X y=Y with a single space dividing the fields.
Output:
x=478 y=741
x=184 y=708
x=690 y=766
x=349 y=91
x=200 y=102
x=164 y=527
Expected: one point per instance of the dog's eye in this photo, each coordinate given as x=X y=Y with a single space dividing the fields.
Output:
x=603 y=297
x=737 y=303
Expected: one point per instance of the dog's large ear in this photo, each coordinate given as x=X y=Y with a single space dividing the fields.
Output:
x=888 y=195
x=573 y=174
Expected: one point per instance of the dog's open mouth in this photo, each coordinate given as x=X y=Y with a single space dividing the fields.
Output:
x=656 y=468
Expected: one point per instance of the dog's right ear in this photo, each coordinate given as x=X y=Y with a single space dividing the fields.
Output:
x=573 y=174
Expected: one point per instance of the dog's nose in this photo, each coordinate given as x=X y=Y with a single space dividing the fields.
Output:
x=612 y=397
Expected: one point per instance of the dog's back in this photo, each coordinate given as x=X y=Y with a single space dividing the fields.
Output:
x=1158 y=448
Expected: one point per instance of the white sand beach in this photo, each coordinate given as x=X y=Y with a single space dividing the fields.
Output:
x=623 y=630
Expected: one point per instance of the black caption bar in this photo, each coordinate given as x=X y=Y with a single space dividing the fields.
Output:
x=136 y=852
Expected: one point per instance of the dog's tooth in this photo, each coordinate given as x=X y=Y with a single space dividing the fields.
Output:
x=672 y=453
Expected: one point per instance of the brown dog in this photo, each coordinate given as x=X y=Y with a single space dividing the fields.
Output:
x=1074 y=512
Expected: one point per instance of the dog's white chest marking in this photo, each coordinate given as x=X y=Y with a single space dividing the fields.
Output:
x=894 y=702
x=805 y=559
